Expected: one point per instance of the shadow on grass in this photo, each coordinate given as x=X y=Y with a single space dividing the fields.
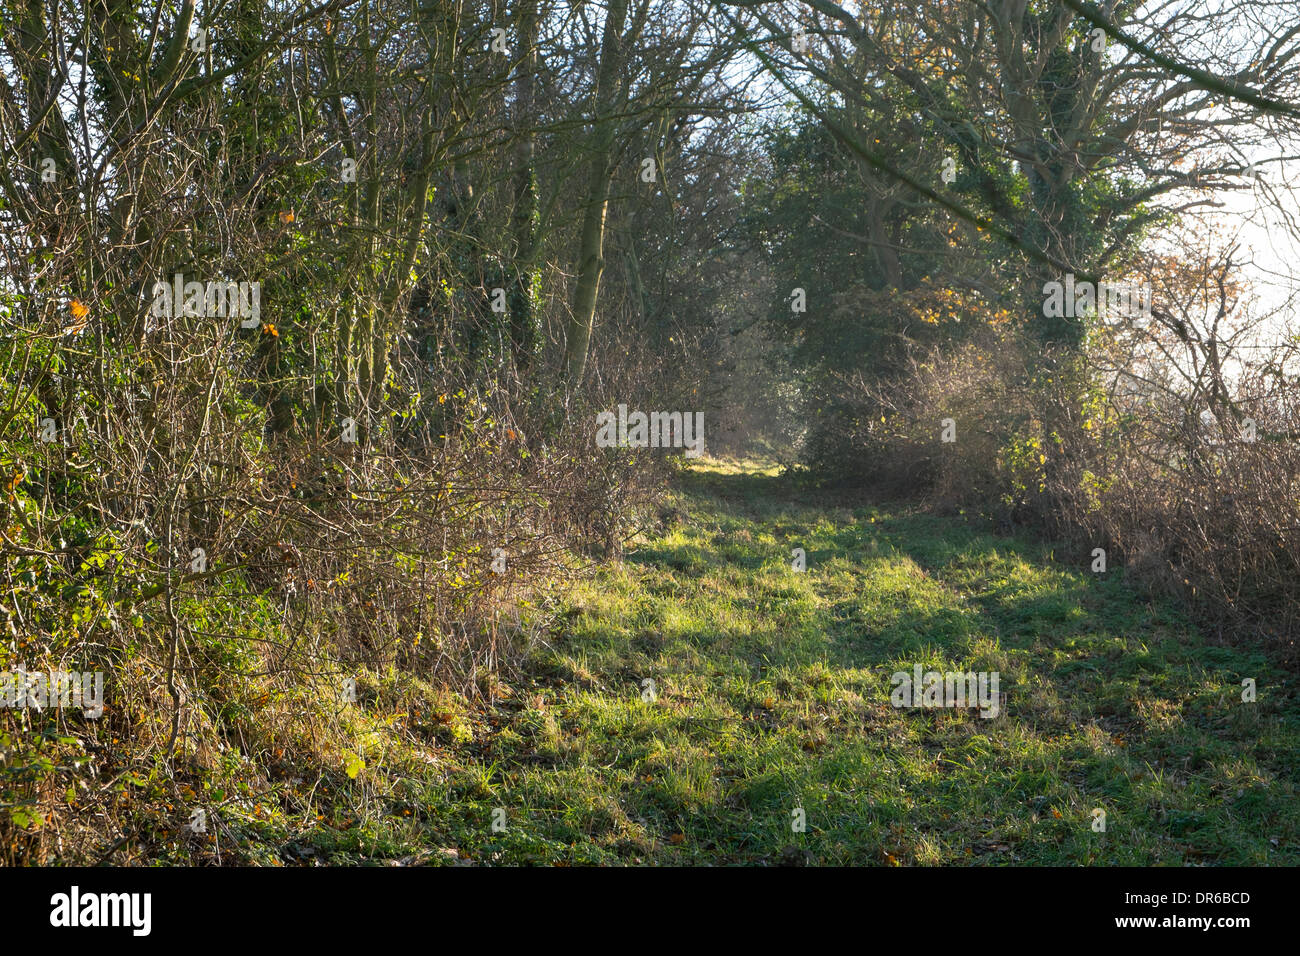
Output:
x=690 y=558
x=749 y=486
x=1110 y=703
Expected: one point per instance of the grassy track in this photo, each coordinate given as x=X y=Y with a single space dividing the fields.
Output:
x=772 y=695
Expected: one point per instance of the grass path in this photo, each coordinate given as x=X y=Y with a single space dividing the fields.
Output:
x=772 y=696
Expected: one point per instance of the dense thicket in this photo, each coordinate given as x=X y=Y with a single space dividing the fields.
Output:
x=948 y=163
x=302 y=353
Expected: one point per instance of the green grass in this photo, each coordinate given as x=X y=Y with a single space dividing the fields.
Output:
x=773 y=696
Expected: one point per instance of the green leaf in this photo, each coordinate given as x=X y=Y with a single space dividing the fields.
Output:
x=354 y=765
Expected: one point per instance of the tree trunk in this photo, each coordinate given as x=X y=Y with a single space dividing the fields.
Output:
x=591 y=260
x=523 y=320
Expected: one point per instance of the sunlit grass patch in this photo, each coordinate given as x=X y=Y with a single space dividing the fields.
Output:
x=704 y=702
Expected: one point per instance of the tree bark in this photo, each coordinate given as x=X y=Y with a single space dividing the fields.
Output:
x=523 y=320
x=591 y=260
